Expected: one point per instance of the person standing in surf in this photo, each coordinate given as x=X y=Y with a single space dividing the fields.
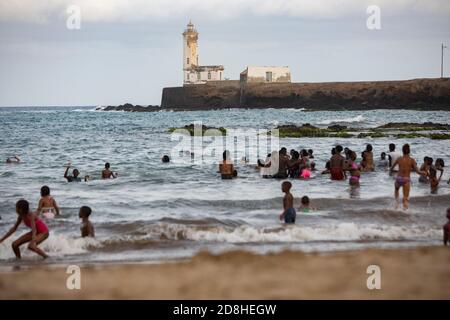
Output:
x=406 y=164
x=354 y=169
x=393 y=156
x=337 y=164
x=47 y=205
x=288 y=214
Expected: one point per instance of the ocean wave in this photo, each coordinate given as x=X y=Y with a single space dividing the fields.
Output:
x=357 y=119
x=346 y=231
x=340 y=232
x=56 y=245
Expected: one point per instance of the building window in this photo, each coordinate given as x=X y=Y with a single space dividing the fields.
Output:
x=268 y=76
x=187 y=60
x=198 y=76
x=209 y=75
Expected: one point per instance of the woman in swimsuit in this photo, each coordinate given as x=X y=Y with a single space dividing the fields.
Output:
x=367 y=163
x=47 y=205
x=406 y=164
x=337 y=164
x=425 y=167
x=354 y=170
x=38 y=234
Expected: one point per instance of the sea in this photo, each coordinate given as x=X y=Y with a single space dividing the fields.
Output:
x=156 y=212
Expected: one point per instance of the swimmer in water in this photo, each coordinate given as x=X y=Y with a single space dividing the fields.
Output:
x=47 y=205
x=226 y=167
x=87 y=229
x=107 y=173
x=75 y=174
x=305 y=205
x=13 y=159
x=38 y=234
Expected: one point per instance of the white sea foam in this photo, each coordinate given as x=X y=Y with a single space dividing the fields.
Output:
x=356 y=119
x=340 y=232
x=56 y=245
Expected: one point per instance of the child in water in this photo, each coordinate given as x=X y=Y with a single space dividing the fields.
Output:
x=87 y=229
x=288 y=214
x=107 y=173
x=38 y=234
x=447 y=229
x=434 y=180
x=47 y=205
x=305 y=205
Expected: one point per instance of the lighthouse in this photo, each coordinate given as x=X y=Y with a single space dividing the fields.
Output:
x=193 y=73
x=190 y=47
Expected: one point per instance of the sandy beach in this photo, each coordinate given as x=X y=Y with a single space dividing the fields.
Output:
x=421 y=273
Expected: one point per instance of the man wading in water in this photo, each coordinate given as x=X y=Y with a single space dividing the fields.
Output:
x=406 y=164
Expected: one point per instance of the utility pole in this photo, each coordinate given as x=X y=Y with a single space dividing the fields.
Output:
x=442 y=59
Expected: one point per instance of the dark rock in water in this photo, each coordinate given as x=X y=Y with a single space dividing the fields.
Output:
x=408 y=126
x=212 y=130
x=337 y=127
x=128 y=107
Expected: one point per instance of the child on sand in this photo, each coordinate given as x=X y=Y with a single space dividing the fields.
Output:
x=447 y=229
x=406 y=164
x=47 y=205
x=87 y=229
x=107 y=173
x=288 y=214
x=39 y=231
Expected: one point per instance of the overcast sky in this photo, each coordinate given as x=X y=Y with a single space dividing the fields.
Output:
x=128 y=50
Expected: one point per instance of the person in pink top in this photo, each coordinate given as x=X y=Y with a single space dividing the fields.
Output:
x=38 y=234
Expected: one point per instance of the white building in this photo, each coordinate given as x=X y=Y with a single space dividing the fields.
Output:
x=266 y=74
x=193 y=73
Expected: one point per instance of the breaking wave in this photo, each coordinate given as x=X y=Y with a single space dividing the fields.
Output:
x=357 y=119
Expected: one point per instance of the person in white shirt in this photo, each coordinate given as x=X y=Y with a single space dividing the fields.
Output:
x=393 y=156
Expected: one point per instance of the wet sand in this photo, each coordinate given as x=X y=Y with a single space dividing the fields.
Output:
x=420 y=273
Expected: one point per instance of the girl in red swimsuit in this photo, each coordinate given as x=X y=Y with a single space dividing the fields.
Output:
x=39 y=231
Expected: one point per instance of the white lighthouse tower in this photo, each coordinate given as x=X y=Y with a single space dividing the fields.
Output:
x=193 y=73
x=190 y=47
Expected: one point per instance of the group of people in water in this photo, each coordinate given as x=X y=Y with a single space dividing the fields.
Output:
x=278 y=164
x=48 y=209
x=400 y=165
x=299 y=165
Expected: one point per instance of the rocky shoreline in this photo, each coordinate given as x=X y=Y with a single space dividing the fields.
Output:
x=405 y=130
x=399 y=130
x=416 y=94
